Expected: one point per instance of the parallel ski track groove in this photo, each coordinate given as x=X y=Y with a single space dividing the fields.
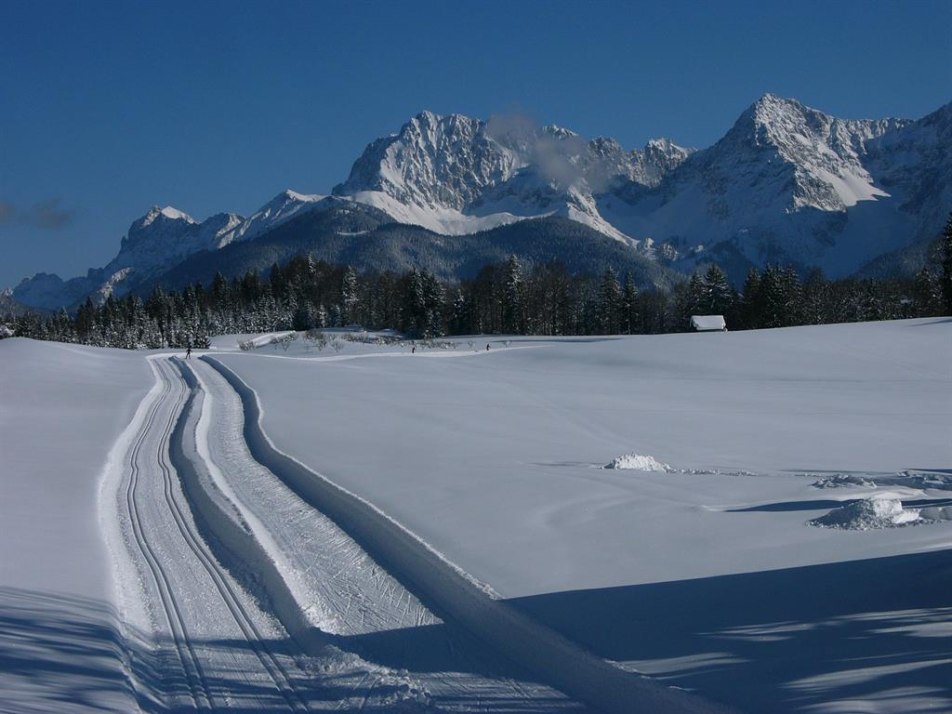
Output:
x=252 y=634
x=188 y=659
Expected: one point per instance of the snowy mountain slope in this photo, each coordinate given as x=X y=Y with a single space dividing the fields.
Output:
x=787 y=183
x=278 y=210
x=457 y=175
x=155 y=243
x=358 y=235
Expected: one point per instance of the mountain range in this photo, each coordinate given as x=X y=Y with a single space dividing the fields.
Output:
x=786 y=183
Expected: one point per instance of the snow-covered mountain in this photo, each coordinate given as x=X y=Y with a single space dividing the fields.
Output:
x=789 y=183
x=786 y=183
x=155 y=243
x=456 y=175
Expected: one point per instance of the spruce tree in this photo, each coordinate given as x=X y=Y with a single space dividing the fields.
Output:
x=631 y=313
x=512 y=297
x=750 y=309
x=608 y=308
x=717 y=294
x=350 y=295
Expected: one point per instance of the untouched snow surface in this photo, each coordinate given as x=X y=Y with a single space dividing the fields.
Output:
x=457 y=469
x=61 y=408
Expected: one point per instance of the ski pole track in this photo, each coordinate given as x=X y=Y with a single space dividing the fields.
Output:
x=191 y=667
x=457 y=599
x=249 y=629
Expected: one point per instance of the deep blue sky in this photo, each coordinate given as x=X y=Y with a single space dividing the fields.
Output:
x=107 y=108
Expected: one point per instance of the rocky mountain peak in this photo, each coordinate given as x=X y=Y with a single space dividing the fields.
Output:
x=168 y=213
x=434 y=161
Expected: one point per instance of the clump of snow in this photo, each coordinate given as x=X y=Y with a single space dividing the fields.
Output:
x=637 y=462
x=841 y=480
x=868 y=514
x=927 y=479
x=932 y=514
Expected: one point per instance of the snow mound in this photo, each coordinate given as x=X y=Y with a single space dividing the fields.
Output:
x=638 y=462
x=934 y=514
x=868 y=514
x=841 y=480
x=938 y=480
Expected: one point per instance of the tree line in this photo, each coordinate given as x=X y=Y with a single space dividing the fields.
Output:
x=503 y=298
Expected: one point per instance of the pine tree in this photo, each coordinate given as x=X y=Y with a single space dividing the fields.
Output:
x=927 y=293
x=816 y=298
x=350 y=295
x=750 y=308
x=630 y=308
x=608 y=308
x=717 y=294
x=461 y=318
x=512 y=298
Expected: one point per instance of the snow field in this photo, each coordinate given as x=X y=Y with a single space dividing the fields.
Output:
x=61 y=409
x=443 y=585
x=481 y=477
x=489 y=461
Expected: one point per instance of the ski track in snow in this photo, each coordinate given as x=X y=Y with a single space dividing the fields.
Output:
x=153 y=538
x=456 y=596
x=201 y=523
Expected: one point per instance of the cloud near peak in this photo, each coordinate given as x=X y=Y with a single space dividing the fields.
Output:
x=49 y=214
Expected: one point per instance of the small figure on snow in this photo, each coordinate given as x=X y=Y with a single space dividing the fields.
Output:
x=487 y=347
x=188 y=350
x=413 y=351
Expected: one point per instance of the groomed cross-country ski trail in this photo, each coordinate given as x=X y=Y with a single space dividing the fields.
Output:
x=237 y=595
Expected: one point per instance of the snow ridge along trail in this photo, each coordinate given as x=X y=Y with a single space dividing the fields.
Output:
x=457 y=598
x=322 y=586
x=194 y=599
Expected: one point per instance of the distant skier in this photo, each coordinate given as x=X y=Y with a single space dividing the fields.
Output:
x=413 y=351
x=188 y=350
x=487 y=347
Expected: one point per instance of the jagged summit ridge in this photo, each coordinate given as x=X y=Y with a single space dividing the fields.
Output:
x=826 y=154
x=455 y=174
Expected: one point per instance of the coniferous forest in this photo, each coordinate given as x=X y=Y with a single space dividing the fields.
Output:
x=504 y=298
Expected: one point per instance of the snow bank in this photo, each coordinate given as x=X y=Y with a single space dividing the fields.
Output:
x=868 y=514
x=842 y=480
x=637 y=462
x=933 y=514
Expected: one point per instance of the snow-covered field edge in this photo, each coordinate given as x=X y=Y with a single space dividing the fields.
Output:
x=132 y=620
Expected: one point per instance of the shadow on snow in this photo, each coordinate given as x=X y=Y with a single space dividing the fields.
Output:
x=780 y=641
